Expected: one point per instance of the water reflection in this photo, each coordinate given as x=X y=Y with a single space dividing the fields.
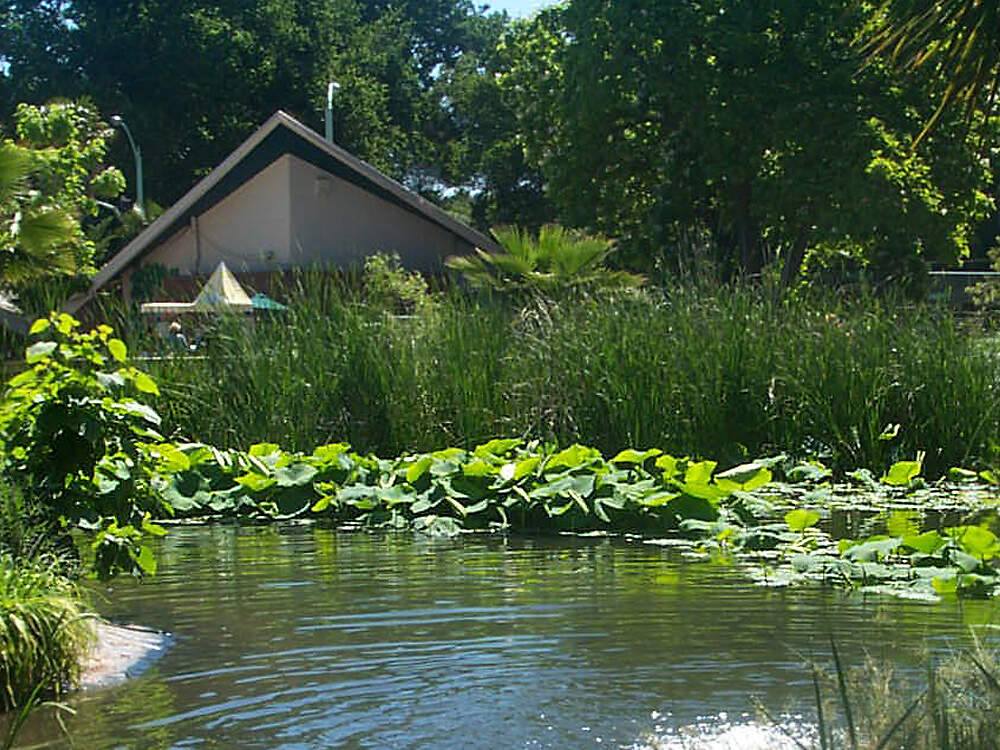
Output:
x=305 y=637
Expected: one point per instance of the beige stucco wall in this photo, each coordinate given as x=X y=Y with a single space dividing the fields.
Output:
x=293 y=214
x=249 y=229
x=337 y=223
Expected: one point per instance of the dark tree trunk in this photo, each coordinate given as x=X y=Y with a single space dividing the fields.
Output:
x=793 y=261
x=745 y=230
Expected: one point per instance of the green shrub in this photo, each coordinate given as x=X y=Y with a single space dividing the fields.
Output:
x=555 y=259
x=389 y=286
x=73 y=434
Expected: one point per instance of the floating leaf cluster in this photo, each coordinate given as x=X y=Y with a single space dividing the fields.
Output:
x=501 y=484
x=507 y=484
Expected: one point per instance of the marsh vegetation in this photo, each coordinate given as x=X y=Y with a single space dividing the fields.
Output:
x=721 y=371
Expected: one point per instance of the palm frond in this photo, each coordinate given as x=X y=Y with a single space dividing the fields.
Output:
x=557 y=257
x=958 y=40
x=15 y=166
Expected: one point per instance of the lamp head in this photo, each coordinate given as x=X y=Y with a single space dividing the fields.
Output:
x=116 y=120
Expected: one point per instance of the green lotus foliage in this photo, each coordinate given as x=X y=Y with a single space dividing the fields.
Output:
x=513 y=485
x=901 y=473
x=502 y=484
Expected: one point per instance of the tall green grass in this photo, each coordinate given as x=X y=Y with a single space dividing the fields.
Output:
x=871 y=707
x=721 y=371
x=43 y=631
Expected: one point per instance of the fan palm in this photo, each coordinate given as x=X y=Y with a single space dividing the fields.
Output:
x=557 y=257
x=37 y=237
x=957 y=39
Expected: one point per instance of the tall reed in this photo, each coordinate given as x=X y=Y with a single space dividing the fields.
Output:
x=957 y=706
x=722 y=371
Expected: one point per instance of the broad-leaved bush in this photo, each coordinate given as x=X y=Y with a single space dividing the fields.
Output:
x=74 y=434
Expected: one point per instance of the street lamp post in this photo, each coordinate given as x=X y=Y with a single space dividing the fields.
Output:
x=333 y=86
x=140 y=202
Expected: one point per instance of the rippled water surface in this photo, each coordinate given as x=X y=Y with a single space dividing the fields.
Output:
x=303 y=637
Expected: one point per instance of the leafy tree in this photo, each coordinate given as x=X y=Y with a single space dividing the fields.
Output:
x=745 y=120
x=53 y=177
x=69 y=145
x=36 y=236
x=53 y=185
x=193 y=78
x=498 y=102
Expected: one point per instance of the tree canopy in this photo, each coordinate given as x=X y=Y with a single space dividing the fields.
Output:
x=748 y=131
x=749 y=121
x=193 y=78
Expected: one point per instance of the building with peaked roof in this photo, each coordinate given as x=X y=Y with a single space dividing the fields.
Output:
x=286 y=198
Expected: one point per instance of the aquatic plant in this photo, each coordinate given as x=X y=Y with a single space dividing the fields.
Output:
x=956 y=707
x=73 y=431
x=507 y=484
x=499 y=484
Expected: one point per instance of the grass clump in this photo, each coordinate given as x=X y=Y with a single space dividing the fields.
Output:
x=44 y=633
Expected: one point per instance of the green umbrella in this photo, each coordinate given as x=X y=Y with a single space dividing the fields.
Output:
x=263 y=302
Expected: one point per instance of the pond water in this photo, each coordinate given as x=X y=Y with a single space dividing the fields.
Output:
x=303 y=637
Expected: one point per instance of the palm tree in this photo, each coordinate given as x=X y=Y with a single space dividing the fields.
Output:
x=37 y=237
x=556 y=258
x=957 y=39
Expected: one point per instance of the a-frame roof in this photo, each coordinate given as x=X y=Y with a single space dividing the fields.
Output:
x=280 y=135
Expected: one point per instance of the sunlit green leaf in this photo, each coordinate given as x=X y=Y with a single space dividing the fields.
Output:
x=498 y=447
x=146 y=384
x=118 y=349
x=146 y=560
x=799 y=520
x=632 y=456
x=571 y=458
x=901 y=473
x=478 y=468
x=418 y=468
x=669 y=465
x=699 y=473
x=927 y=543
x=977 y=541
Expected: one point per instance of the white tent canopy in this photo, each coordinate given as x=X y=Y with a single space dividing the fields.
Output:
x=221 y=293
